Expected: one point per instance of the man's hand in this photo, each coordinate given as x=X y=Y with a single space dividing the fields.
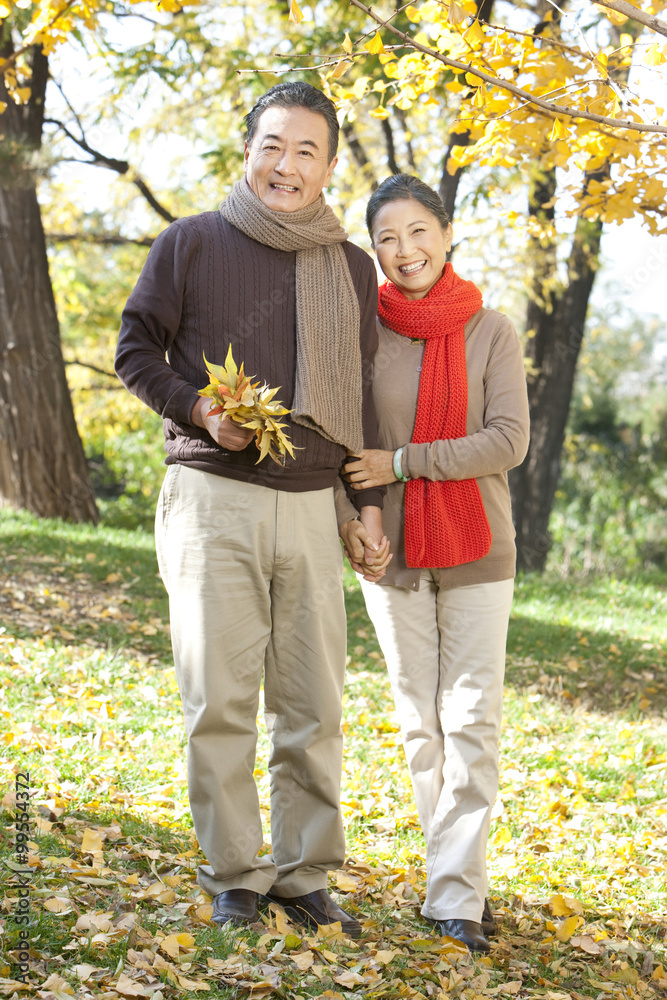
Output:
x=365 y=545
x=226 y=433
x=372 y=468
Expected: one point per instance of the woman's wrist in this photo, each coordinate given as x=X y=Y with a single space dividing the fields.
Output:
x=398 y=466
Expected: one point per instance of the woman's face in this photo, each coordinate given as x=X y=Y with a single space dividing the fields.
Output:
x=411 y=246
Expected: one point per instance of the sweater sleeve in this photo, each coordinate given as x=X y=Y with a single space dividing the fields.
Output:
x=502 y=441
x=150 y=323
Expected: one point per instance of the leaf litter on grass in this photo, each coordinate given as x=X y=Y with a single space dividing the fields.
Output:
x=577 y=853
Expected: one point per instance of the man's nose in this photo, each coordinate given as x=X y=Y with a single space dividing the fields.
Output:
x=285 y=164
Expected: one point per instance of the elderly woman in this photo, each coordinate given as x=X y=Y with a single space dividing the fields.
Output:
x=451 y=400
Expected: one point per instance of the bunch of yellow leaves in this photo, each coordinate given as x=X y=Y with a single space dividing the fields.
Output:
x=238 y=398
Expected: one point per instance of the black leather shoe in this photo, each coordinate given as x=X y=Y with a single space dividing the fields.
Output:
x=467 y=931
x=235 y=906
x=317 y=909
x=488 y=923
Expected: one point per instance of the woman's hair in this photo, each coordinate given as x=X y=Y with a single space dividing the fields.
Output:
x=405 y=186
x=295 y=94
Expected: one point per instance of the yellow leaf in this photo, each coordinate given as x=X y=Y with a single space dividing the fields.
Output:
x=347 y=44
x=295 y=12
x=375 y=46
x=456 y=13
x=563 y=906
x=474 y=35
x=601 y=60
x=479 y=100
x=192 y=985
x=204 y=912
x=566 y=928
x=346 y=883
x=342 y=67
x=130 y=987
x=501 y=837
x=303 y=960
x=55 y=905
x=558 y=131
x=132 y=879
x=170 y=946
x=5 y=11
x=379 y=113
x=91 y=842
x=84 y=972
x=654 y=56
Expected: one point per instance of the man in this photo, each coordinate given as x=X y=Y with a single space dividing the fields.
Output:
x=249 y=552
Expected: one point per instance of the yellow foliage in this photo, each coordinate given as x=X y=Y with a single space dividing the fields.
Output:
x=474 y=35
x=236 y=397
x=375 y=46
x=655 y=55
x=295 y=12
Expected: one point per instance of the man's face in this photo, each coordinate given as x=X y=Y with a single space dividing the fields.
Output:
x=287 y=164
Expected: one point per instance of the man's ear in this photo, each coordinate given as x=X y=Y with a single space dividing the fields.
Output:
x=330 y=171
x=246 y=153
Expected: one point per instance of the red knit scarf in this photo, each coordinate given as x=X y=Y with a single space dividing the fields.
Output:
x=445 y=521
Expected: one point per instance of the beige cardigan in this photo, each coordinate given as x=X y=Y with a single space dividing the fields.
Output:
x=496 y=440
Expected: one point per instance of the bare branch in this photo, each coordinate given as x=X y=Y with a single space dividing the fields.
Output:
x=93 y=368
x=104 y=239
x=120 y=166
x=553 y=110
x=627 y=9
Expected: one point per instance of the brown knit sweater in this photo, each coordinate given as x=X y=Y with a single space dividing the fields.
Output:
x=206 y=285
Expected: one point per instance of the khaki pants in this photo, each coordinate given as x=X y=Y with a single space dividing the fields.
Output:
x=254 y=577
x=445 y=652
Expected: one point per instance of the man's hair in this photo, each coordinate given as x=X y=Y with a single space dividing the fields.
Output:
x=295 y=94
x=405 y=186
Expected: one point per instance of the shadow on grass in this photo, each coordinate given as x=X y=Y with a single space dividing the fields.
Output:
x=596 y=669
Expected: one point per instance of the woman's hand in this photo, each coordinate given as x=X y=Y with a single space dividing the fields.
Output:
x=372 y=468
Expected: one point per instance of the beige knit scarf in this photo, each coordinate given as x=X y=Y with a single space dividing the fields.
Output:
x=327 y=395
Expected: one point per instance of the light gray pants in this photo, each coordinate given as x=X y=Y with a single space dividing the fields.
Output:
x=445 y=652
x=254 y=577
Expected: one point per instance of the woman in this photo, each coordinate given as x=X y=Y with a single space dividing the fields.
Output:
x=450 y=394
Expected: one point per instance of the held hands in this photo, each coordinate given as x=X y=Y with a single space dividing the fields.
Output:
x=365 y=546
x=371 y=468
x=226 y=433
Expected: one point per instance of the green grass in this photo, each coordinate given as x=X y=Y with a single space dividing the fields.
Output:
x=90 y=708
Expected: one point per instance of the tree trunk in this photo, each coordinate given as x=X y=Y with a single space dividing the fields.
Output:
x=555 y=325
x=42 y=464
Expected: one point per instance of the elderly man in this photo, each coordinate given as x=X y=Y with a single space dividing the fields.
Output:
x=249 y=553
